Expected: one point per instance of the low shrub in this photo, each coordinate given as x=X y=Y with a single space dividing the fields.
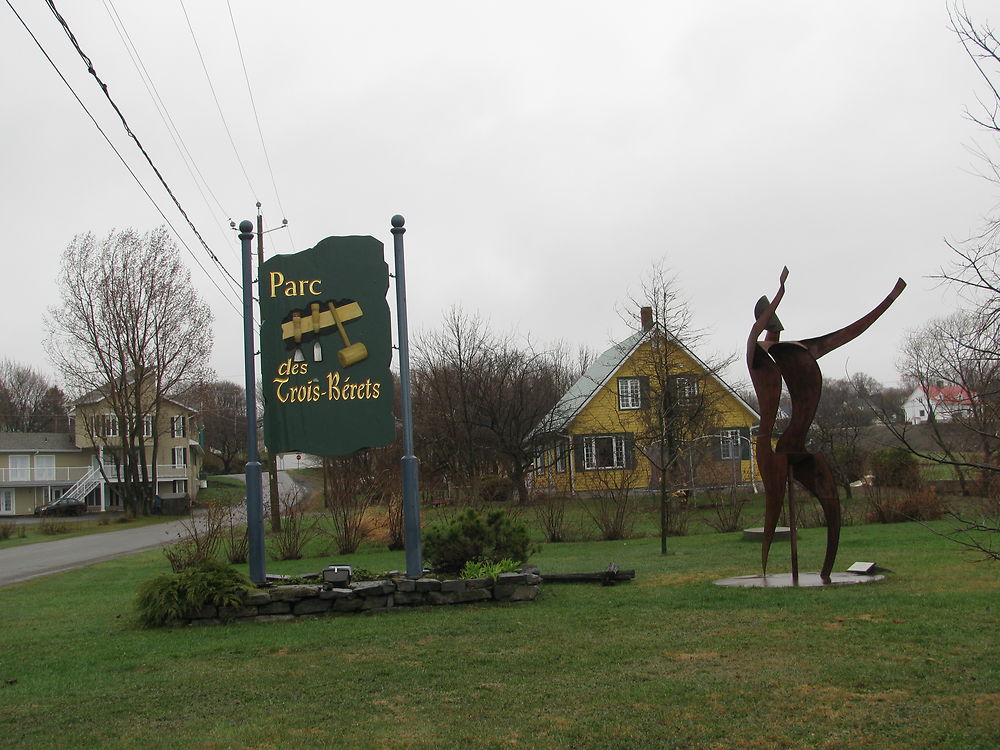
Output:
x=7 y=530
x=53 y=526
x=727 y=509
x=170 y=597
x=449 y=545
x=494 y=489
x=488 y=568
x=923 y=505
x=550 y=513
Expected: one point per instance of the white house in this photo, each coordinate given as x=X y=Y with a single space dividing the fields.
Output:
x=939 y=402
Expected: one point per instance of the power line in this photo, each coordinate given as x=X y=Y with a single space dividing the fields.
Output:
x=218 y=106
x=90 y=69
x=122 y=159
x=256 y=118
x=168 y=122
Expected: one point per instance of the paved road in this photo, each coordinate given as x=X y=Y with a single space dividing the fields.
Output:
x=33 y=560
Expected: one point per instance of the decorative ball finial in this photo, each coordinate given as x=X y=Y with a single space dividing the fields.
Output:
x=398 y=221
x=246 y=226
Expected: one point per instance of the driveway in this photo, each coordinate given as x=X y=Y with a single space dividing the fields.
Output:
x=33 y=560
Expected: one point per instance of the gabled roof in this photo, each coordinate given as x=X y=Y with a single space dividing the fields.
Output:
x=96 y=396
x=603 y=369
x=43 y=442
x=946 y=395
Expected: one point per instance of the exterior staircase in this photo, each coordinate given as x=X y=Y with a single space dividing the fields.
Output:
x=85 y=484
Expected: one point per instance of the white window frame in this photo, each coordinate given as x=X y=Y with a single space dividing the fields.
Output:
x=20 y=467
x=629 y=393
x=688 y=387
x=590 y=452
x=181 y=431
x=147 y=426
x=729 y=444
x=7 y=501
x=45 y=467
x=109 y=425
x=180 y=486
x=182 y=452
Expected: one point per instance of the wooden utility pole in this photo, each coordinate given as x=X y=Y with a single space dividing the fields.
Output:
x=273 y=473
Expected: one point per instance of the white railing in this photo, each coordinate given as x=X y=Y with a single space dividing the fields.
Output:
x=85 y=484
x=163 y=472
x=52 y=474
x=74 y=474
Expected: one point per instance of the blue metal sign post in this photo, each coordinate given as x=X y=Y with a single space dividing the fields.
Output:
x=411 y=486
x=255 y=507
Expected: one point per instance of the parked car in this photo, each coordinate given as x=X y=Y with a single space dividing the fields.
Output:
x=64 y=506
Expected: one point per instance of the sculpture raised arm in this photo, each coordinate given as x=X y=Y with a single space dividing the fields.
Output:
x=821 y=345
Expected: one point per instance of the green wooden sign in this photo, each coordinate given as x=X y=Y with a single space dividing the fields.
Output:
x=326 y=347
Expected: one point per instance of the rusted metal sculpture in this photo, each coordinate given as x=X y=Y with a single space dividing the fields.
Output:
x=770 y=362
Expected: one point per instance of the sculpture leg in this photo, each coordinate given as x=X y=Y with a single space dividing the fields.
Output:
x=815 y=475
x=774 y=472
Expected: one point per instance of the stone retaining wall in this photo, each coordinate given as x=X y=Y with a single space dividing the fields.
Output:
x=289 y=602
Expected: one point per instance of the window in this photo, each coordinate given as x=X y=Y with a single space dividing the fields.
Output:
x=52 y=493
x=180 y=486
x=45 y=468
x=540 y=462
x=20 y=468
x=686 y=387
x=734 y=444
x=561 y=457
x=629 y=393
x=604 y=452
x=729 y=445
x=177 y=427
x=180 y=457
x=6 y=501
x=147 y=426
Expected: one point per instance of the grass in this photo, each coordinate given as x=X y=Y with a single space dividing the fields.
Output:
x=666 y=661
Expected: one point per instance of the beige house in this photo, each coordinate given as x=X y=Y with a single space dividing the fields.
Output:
x=36 y=468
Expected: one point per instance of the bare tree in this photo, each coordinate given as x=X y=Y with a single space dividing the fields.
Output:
x=842 y=419
x=686 y=394
x=130 y=331
x=478 y=396
x=29 y=401
x=223 y=410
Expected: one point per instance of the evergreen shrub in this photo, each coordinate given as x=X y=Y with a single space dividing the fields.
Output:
x=474 y=536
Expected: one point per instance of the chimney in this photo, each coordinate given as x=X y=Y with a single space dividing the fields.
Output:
x=646 y=316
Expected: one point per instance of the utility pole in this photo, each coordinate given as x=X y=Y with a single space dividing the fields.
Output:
x=273 y=474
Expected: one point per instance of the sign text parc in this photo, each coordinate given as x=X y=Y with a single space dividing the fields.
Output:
x=326 y=348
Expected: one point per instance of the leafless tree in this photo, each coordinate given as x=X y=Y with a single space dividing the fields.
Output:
x=131 y=331
x=29 y=401
x=844 y=415
x=223 y=411
x=477 y=397
x=685 y=392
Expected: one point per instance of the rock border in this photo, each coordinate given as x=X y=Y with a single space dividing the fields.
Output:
x=287 y=603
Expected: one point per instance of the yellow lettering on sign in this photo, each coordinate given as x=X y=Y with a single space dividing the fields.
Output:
x=293 y=287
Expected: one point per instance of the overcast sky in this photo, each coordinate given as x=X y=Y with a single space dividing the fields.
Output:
x=544 y=154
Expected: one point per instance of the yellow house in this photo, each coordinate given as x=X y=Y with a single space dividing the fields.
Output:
x=646 y=409
x=36 y=468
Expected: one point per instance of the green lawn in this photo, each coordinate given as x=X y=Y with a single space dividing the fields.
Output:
x=666 y=661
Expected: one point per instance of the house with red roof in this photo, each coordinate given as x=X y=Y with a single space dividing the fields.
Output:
x=941 y=403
